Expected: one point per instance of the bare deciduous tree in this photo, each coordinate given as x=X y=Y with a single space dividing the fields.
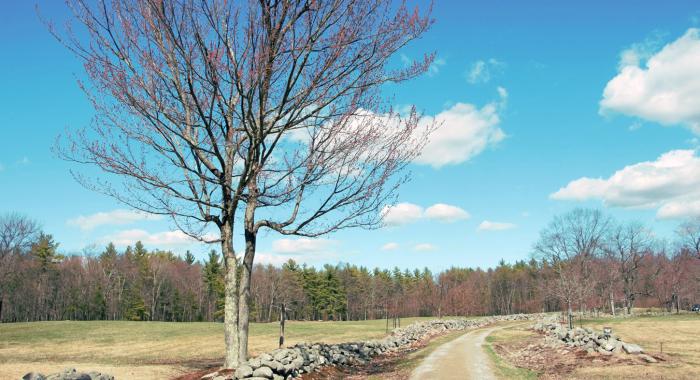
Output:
x=627 y=246
x=17 y=234
x=568 y=245
x=689 y=235
x=210 y=107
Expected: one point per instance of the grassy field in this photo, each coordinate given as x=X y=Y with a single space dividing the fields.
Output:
x=151 y=350
x=677 y=335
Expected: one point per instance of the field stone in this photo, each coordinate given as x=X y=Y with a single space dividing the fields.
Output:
x=632 y=348
x=273 y=364
x=33 y=376
x=209 y=376
x=648 y=358
x=243 y=371
x=263 y=371
x=255 y=363
x=94 y=375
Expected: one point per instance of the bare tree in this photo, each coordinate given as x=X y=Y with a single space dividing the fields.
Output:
x=205 y=107
x=627 y=245
x=17 y=234
x=689 y=235
x=568 y=245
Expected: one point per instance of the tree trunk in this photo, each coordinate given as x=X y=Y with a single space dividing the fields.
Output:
x=247 y=272
x=230 y=298
x=244 y=300
x=612 y=303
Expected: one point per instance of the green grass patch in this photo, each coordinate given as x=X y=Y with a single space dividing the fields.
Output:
x=502 y=368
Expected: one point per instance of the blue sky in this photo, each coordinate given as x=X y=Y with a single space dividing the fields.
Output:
x=546 y=106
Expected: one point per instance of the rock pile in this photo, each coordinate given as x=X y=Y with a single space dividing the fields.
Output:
x=69 y=374
x=288 y=363
x=586 y=338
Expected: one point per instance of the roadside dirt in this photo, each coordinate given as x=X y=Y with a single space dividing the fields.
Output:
x=560 y=362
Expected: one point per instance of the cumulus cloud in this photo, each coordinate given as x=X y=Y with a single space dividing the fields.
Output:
x=446 y=213
x=423 y=247
x=406 y=213
x=114 y=218
x=401 y=213
x=301 y=245
x=458 y=133
x=165 y=239
x=671 y=184
x=464 y=131
x=482 y=71
x=663 y=87
x=301 y=250
x=390 y=246
x=488 y=225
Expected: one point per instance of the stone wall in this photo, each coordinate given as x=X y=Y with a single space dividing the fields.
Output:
x=288 y=363
x=586 y=338
x=68 y=374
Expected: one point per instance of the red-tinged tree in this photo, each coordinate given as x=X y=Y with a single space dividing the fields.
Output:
x=627 y=245
x=17 y=234
x=689 y=235
x=210 y=107
x=568 y=245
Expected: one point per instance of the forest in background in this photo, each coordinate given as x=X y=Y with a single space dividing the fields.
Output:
x=583 y=260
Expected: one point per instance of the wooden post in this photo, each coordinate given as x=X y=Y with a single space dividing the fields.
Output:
x=386 y=313
x=283 y=317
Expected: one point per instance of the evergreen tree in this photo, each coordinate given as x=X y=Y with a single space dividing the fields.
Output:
x=45 y=252
x=189 y=258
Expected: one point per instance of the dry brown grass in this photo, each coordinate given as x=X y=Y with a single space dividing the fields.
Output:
x=681 y=350
x=680 y=335
x=150 y=350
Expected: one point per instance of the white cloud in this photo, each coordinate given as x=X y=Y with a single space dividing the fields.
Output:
x=423 y=247
x=664 y=89
x=115 y=218
x=401 y=213
x=301 y=250
x=458 y=133
x=679 y=209
x=482 y=71
x=406 y=213
x=463 y=132
x=488 y=225
x=446 y=213
x=390 y=246
x=671 y=183
x=165 y=239
x=301 y=245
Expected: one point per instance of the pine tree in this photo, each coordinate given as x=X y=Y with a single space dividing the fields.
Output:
x=213 y=275
x=189 y=258
x=45 y=252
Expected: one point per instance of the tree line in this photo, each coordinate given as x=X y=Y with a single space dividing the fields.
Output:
x=583 y=261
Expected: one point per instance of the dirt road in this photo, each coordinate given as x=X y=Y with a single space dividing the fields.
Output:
x=462 y=358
